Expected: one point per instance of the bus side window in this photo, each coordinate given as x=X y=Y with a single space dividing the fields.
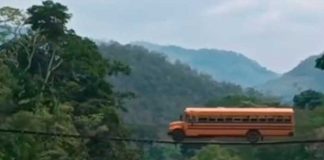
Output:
x=279 y=119
x=245 y=119
x=262 y=119
x=237 y=119
x=192 y=119
x=220 y=119
x=202 y=120
x=287 y=119
x=228 y=119
x=270 y=119
x=254 y=119
x=212 y=119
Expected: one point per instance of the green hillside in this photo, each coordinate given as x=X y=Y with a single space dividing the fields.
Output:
x=302 y=77
x=222 y=65
x=162 y=89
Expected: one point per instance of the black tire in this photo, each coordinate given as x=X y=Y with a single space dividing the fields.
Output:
x=253 y=136
x=178 y=135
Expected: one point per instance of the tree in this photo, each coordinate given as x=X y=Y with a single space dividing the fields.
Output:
x=244 y=100
x=50 y=18
x=60 y=85
x=308 y=99
x=291 y=152
x=232 y=100
x=320 y=63
x=318 y=149
x=215 y=153
x=11 y=22
x=22 y=146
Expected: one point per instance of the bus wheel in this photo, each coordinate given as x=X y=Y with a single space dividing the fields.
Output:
x=253 y=136
x=178 y=135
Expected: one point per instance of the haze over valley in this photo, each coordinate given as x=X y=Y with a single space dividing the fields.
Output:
x=233 y=67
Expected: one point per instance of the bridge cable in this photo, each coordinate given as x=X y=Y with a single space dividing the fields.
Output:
x=151 y=141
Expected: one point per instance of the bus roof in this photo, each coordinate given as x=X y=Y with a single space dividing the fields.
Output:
x=198 y=110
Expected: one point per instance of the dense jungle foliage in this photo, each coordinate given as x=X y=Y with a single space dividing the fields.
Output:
x=53 y=80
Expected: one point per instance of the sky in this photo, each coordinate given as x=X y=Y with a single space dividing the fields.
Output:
x=278 y=34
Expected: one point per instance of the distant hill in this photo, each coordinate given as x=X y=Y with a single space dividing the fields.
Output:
x=162 y=89
x=222 y=65
x=302 y=77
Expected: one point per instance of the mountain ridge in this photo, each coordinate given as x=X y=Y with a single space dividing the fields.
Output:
x=302 y=77
x=222 y=65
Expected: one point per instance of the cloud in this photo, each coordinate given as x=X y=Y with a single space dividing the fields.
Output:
x=18 y=3
x=288 y=17
x=309 y=5
x=232 y=7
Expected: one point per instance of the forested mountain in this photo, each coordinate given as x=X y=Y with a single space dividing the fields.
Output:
x=222 y=65
x=302 y=77
x=162 y=89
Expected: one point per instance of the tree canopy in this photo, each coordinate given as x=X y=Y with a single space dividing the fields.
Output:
x=58 y=84
x=49 y=18
x=308 y=99
x=320 y=63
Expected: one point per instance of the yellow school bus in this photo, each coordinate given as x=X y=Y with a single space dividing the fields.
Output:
x=252 y=123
